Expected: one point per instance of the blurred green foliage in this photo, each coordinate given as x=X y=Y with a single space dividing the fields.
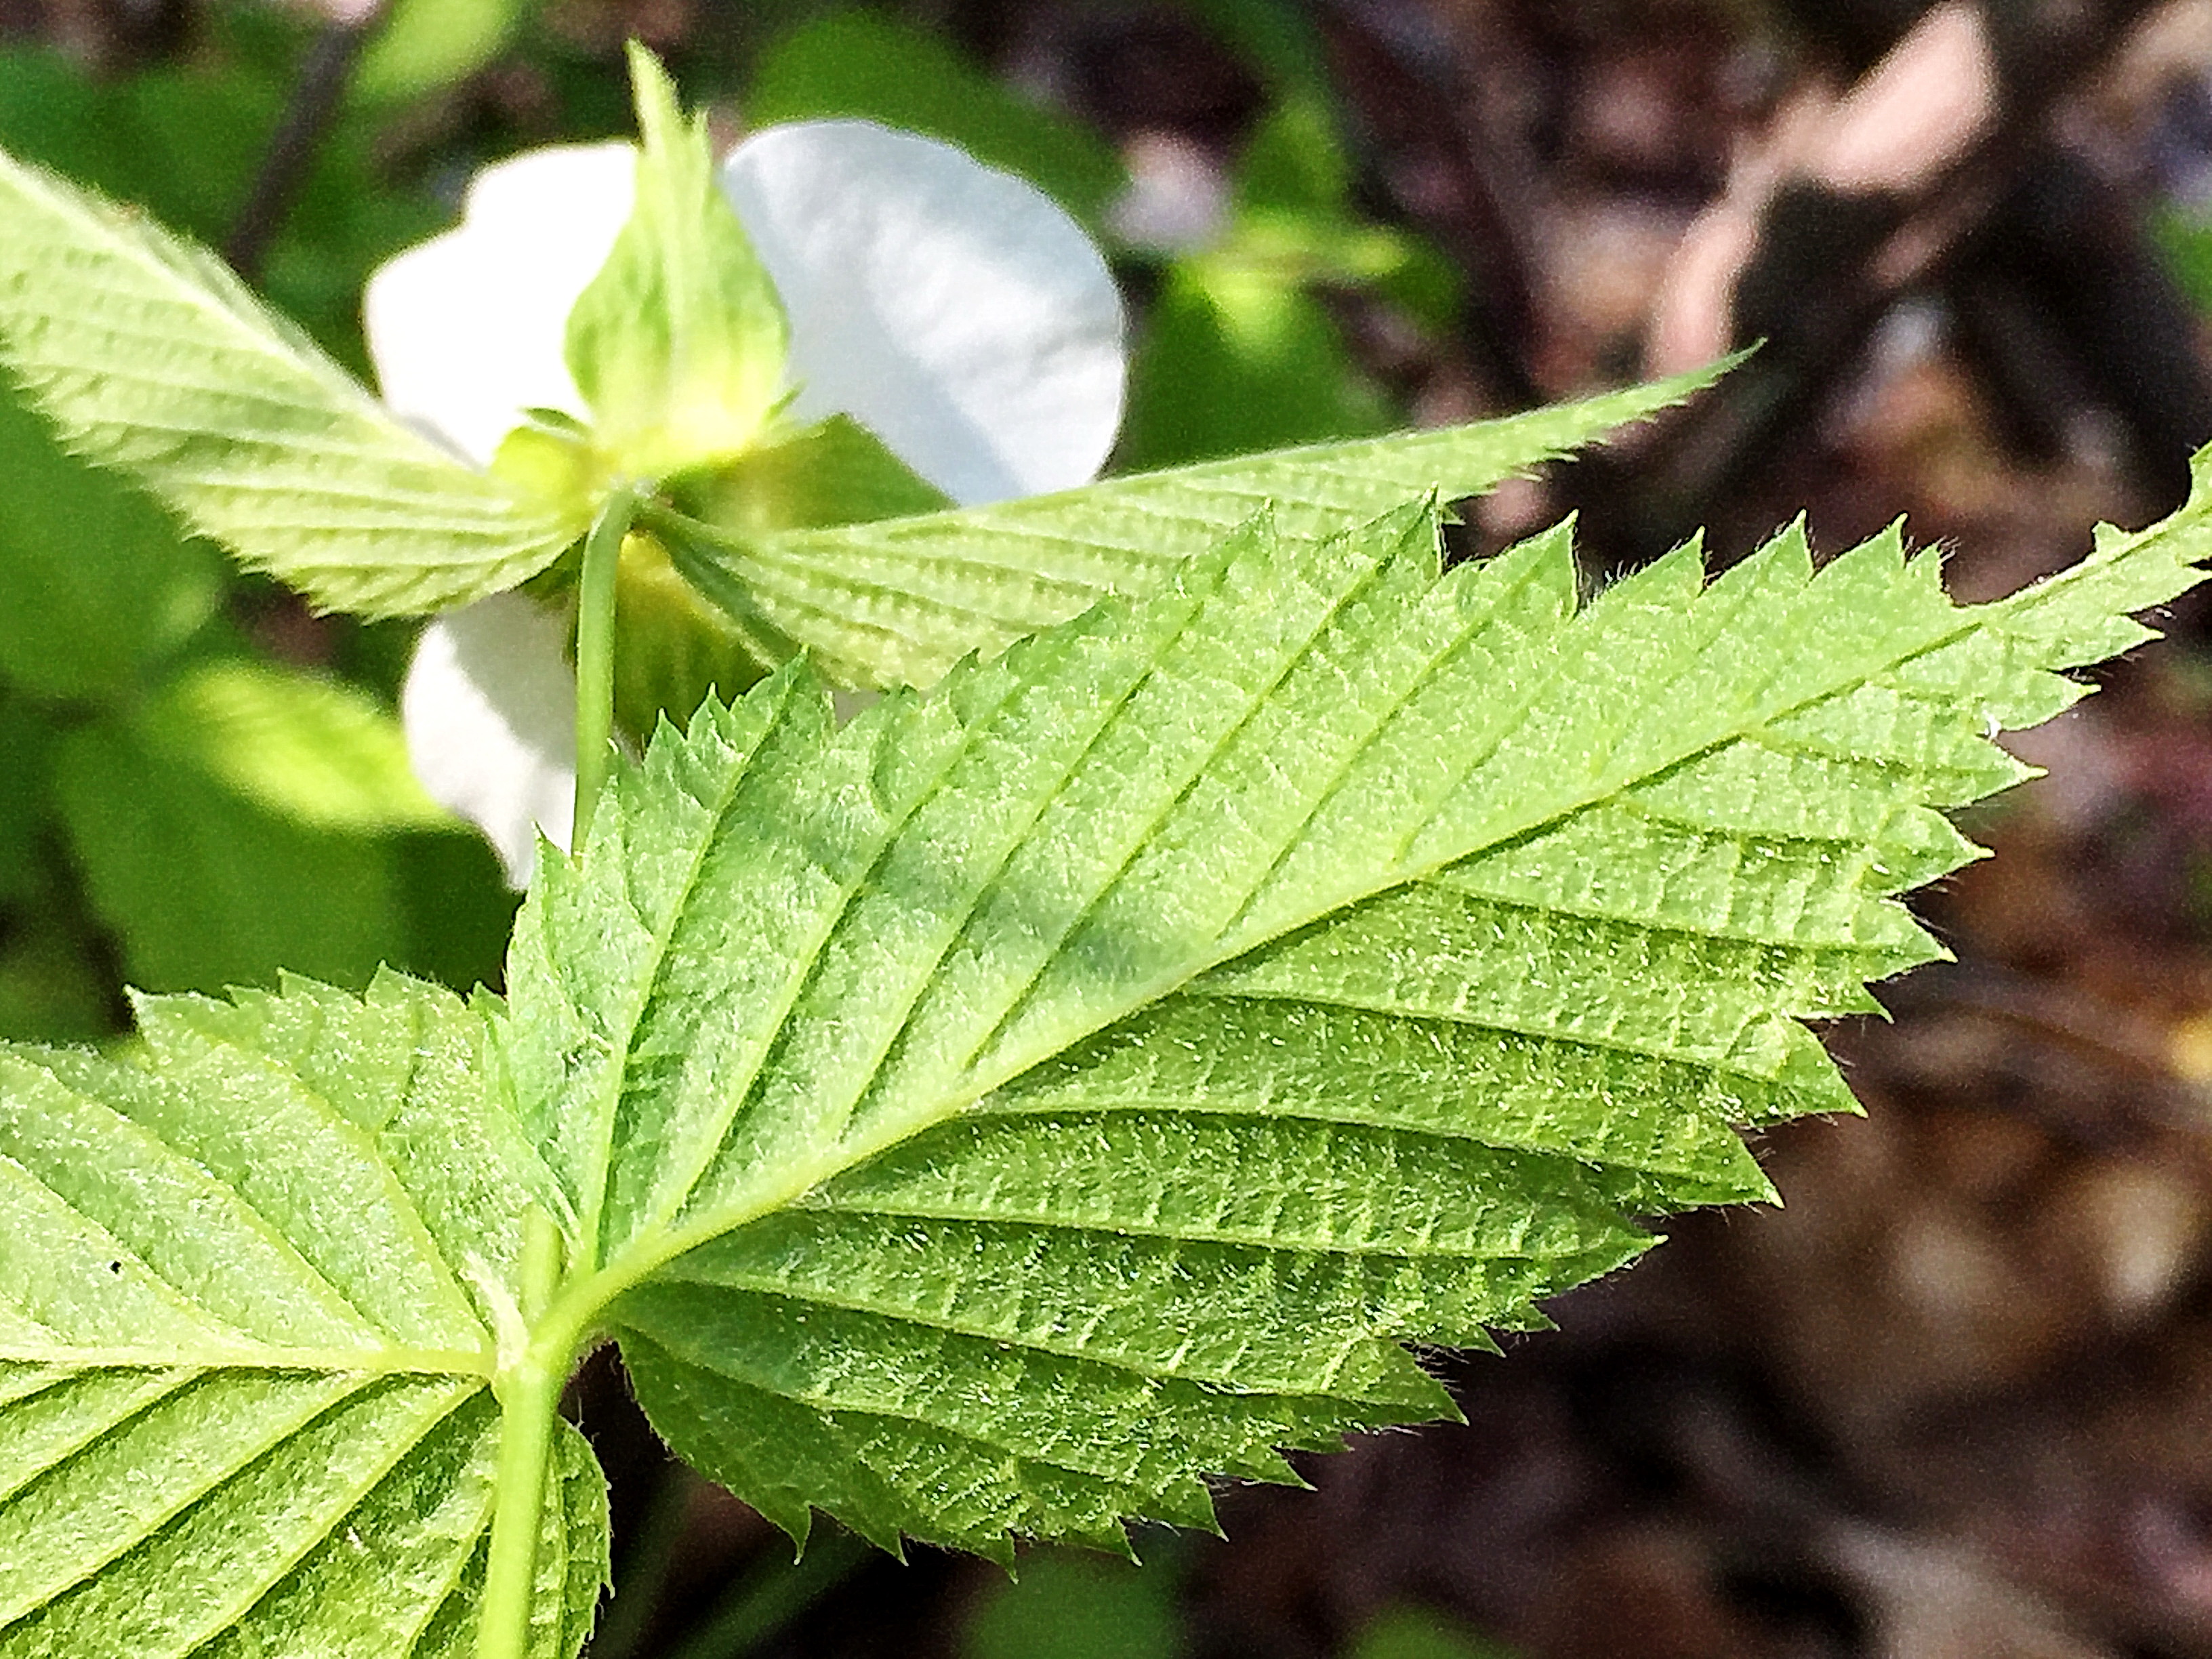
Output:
x=1066 y=1606
x=1241 y=351
x=423 y=45
x=869 y=65
x=182 y=808
x=1409 y=1632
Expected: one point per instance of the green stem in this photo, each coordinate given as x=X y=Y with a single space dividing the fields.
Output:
x=529 y=1387
x=595 y=654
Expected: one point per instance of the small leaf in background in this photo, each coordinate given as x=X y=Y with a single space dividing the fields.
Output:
x=312 y=750
x=96 y=584
x=248 y=817
x=421 y=46
x=866 y=64
x=1408 y=1632
x=1294 y=202
x=1236 y=357
x=1076 y=1606
x=1239 y=352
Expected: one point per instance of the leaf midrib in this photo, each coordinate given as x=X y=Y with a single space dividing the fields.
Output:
x=586 y=1299
x=480 y=1364
x=114 y=233
x=851 y=1155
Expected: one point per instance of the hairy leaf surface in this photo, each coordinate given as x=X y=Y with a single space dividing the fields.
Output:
x=996 y=1115
x=897 y=602
x=249 y=1310
x=153 y=359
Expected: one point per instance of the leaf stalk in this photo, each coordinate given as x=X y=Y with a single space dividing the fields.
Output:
x=529 y=1389
x=595 y=654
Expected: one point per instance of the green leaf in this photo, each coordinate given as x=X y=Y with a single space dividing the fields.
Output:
x=151 y=358
x=998 y=1115
x=900 y=601
x=244 y=819
x=423 y=44
x=96 y=585
x=314 y=750
x=1237 y=358
x=678 y=344
x=248 y=1318
x=1074 y=1606
x=867 y=65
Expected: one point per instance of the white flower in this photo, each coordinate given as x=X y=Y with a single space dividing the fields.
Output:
x=953 y=310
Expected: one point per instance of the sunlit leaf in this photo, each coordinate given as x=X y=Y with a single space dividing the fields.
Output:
x=153 y=359
x=995 y=1116
x=248 y=1321
x=900 y=601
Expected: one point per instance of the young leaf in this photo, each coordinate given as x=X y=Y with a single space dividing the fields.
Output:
x=154 y=360
x=249 y=1313
x=678 y=344
x=899 y=601
x=998 y=1115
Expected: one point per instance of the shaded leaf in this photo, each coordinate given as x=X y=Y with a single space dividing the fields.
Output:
x=245 y=818
x=96 y=585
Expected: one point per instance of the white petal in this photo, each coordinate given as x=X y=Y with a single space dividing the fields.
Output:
x=490 y=709
x=466 y=329
x=954 y=310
